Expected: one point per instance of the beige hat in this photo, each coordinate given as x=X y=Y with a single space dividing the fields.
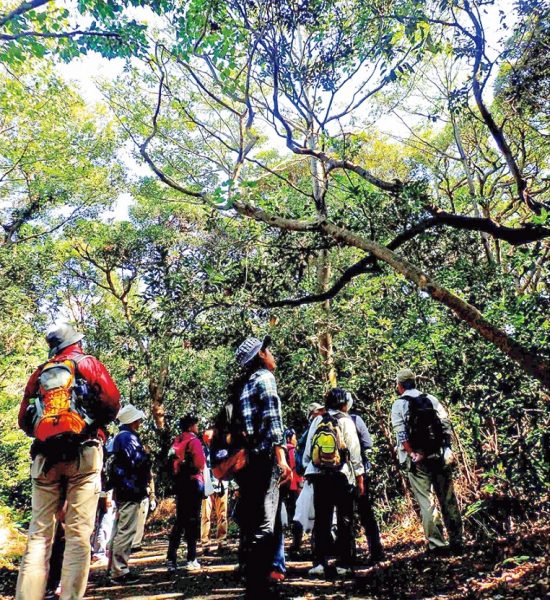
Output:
x=405 y=375
x=129 y=413
x=313 y=407
x=62 y=336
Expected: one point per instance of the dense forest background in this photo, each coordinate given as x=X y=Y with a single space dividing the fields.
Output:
x=366 y=182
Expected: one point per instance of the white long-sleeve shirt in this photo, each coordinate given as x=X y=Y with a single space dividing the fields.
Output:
x=351 y=469
x=400 y=416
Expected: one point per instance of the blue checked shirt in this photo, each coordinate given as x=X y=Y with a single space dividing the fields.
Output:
x=261 y=411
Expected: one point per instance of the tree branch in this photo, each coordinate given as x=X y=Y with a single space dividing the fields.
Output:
x=22 y=9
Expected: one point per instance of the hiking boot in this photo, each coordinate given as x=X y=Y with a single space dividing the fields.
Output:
x=439 y=551
x=126 y=579
x=344 y=571
x=192 y=565
x=171 y=566
x=317 y=571
x=376 y=557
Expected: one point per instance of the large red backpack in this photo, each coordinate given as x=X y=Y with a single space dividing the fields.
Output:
x=58 y=407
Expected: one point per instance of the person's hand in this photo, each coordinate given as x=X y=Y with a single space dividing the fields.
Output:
x=152 y=504
x=286 y=473
x=361 y=484
x=416 y=457
x=448 y=457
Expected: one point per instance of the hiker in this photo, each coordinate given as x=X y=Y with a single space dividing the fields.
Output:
x=147 y=505
x=66 y=402
x=266 y=467
x=296 y=481
x=130 y=474
x=104 y=527
x=188 y=465
x=423 y=433
x=215 y=502
x=333 y=464
x=304 y=512
x=364 y=501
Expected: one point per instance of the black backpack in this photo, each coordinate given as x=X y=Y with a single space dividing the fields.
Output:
x=424 y=427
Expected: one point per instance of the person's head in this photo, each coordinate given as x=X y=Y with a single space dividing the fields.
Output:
x=254 y=353
x=336 y=399
x=61 y=337
x=130 y=416
x=190 y=423
x=405 y=380
x=207 y=436
x=314 y=410
x=290 y=436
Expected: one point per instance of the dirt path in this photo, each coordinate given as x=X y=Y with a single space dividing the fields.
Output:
x=517 y=569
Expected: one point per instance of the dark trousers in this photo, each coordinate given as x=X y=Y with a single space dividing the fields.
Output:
x=189 y=497
x=333 y=491
x=56 y=558
x=368 y=521
x=256 y=516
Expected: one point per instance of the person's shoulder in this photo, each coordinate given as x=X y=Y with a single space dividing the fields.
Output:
x=265 y=376
x=358 y=420
x=398 y=402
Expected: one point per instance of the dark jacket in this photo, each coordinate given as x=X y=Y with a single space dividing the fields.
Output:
x=132 y=466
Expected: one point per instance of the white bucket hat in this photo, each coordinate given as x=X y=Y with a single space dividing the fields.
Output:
x=129 y=413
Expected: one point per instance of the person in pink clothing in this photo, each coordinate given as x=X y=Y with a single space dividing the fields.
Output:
x=296 y=481
x=188 y=463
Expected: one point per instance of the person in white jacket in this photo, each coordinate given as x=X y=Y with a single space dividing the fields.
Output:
x=334 y=485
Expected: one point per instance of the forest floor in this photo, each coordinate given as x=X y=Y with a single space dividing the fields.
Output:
x=516 y=567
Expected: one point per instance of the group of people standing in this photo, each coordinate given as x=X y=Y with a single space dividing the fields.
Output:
x=319 y=482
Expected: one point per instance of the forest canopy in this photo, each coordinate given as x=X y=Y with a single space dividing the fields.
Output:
x=366 y=182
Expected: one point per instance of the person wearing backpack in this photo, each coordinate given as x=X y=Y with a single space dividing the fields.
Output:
x=304 y=503
x=266 y=465
x=189 y=462
x=66 y=403
x=333 y=464
x=130 y=476
x=423 y=433
x=364 y=501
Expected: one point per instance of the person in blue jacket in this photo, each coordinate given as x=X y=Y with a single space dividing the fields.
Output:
x=132 y=470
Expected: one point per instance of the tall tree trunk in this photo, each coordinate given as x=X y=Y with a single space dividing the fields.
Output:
x=319 y=185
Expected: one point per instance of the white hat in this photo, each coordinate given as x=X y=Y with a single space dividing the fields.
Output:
x=129 y=413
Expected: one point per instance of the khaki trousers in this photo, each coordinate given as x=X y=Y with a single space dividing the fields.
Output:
x=79 y=482
x=124 y=531
x=434 y=480
x=216 y=503
x=141 y=520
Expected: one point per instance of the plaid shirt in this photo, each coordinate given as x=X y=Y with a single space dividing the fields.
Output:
x=261 y=411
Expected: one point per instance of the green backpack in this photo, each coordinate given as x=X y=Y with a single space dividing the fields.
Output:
x=328 y=449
